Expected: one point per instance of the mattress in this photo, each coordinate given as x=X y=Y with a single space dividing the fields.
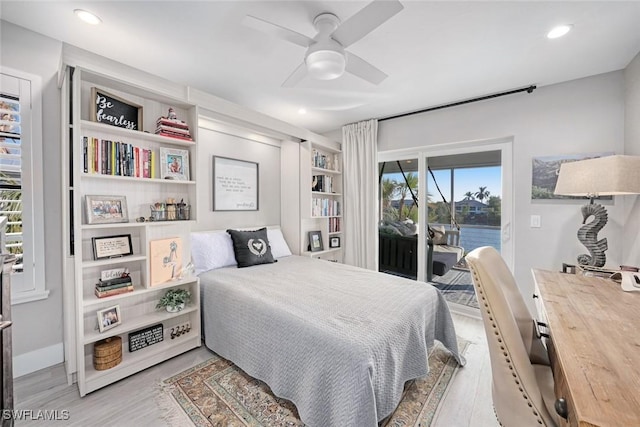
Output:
x=338 y=341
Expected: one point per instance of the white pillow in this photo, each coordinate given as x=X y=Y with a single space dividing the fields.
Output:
x=439 y=238
x=210 y=250
x=279 y=247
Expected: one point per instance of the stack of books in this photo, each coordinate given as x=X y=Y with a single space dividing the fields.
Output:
x=108 y=157
x=322 y=183
x=173 y=128
x=119 y=285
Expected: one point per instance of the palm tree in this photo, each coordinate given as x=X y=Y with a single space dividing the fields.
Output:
x=388 y=189
x=410 y=182
x=469 y=196
x=482 y=193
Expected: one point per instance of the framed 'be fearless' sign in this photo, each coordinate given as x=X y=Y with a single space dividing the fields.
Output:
x=115 y=111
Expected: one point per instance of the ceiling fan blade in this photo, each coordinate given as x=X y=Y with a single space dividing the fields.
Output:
x=365 y=21
x=277 y=31
x=295 y=77
x=361 y=68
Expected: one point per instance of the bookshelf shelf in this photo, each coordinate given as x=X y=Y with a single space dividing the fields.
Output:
x=107 y=262
x=136 y=179
x=135 y=224
x=318 y=171
x=132 y=135
x=91 y=300
x=137 y=322
x=324 y=193
x=139 y=360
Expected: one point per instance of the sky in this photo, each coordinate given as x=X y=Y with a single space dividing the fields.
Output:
x=467 y=179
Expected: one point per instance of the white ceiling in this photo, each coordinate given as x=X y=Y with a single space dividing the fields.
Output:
x=434 y=52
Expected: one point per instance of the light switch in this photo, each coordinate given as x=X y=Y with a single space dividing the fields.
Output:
x=535 y=221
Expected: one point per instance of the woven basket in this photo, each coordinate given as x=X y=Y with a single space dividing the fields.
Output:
x=107 y=353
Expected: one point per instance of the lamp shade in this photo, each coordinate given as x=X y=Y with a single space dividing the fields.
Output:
x=603 y=176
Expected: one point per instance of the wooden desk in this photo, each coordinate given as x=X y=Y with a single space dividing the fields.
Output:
x=594 y=347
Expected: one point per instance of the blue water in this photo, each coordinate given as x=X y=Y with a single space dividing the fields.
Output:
x=472 y=237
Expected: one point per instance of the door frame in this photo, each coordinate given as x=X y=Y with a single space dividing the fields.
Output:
x=422 y=153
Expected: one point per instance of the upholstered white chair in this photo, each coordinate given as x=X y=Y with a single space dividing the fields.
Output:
x=522 y=380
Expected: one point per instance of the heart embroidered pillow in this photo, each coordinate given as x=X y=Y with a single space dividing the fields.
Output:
x=251 y=247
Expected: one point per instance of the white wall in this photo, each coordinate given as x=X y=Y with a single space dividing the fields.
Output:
x=226 y=141
x=37 y=326
x=631 y=250
x=580 y=116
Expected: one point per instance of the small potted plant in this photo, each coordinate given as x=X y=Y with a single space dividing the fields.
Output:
x=174 y=300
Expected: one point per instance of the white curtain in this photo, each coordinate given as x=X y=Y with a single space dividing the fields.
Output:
x=360 y=153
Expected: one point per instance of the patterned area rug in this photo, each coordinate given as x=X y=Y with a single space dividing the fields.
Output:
x=218 y=393
x=457 y=287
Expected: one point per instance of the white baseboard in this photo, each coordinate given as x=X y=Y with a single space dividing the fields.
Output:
x=464 y=310
x=32 y=361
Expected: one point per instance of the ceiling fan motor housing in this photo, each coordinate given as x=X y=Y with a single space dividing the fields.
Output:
x=325 y=59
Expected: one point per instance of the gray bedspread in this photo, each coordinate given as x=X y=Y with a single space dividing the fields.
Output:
x=338 y=341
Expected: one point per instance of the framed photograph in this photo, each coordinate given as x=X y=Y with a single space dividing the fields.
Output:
x=174 y=164
x=235 y=185
x=545 y=170
x=165 y=260
x=106 y=209
x=334 y=242
x=315 y=241
x=109 y=318
x=115 y=111
x=111 y=246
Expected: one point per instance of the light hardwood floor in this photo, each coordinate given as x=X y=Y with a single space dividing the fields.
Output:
x=132 y=401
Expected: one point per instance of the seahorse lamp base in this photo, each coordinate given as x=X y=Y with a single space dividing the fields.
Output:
x=588 y=235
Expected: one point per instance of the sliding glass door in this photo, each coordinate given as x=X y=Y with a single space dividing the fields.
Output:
x=464 y=189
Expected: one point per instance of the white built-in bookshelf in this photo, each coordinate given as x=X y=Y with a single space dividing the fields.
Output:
x=107 y=160
x=321 y=199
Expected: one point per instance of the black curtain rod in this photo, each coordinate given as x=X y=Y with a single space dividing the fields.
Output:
x=467 y=101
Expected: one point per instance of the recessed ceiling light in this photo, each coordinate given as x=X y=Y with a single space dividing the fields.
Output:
x=87 y=17
x=559 y=31
x=302 y=111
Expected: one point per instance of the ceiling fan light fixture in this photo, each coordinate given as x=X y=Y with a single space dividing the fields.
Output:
x=325 y=64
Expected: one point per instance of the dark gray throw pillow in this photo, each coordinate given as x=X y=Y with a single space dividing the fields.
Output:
x=251 y=247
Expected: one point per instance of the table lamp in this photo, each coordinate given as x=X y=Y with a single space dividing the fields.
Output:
x=592 y=178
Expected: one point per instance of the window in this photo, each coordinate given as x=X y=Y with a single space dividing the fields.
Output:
x=21 y=195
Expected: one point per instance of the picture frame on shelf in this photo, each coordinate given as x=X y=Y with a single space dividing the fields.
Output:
x=165 y=260
x=174 y=164
x=334 y=242
x=109 y=318
x=235 y=184
x=315 y=241
x=111 y=246
x=106 y=209
x=115 y=111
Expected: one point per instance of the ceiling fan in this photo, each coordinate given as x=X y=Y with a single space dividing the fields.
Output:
x=326 y=57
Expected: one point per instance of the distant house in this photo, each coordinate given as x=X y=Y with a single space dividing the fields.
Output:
x=396 y=203
x=473 y=205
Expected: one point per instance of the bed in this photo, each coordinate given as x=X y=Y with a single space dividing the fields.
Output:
x=336 y=340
